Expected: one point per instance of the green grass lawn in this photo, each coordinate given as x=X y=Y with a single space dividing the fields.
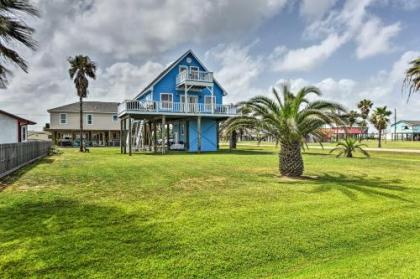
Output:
x=415 y=145
x=215 y=215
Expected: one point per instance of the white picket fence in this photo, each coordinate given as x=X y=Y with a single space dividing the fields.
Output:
x=16 y=155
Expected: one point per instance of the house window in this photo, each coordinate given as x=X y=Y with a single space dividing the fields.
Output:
x=63 y=118
x=89 y=119
x=115 y=117
x=166 y=100
x=209 y=102
x=23 y=134
x=194 y=72
x=183 y=68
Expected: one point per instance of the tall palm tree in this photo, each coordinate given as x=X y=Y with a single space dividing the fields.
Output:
x=412 y=77
x=13 y=29
x=81 y=67
x=380 y=119
x=289 y=119
x=364 y=106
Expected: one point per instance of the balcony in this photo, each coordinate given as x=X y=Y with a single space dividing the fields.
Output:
x=172 y=108
x=197 y=79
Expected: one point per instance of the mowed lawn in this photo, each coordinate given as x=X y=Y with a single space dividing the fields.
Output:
x=216 y=215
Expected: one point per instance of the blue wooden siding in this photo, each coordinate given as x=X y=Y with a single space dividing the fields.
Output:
x=403 y=127
x=168 y=85
x=208 y=135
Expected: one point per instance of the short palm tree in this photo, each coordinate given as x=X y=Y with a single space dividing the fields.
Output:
x=412 y=77
x=348 y=147
x=13 y=29
x=380 y=119
x=81 y=67
x=364 y=106
x=289 y=119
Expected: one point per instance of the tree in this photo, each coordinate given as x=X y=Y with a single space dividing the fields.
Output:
x=81 y=67
x=348 y=147
x=364 y=106
x=380 y=119
x=13 y=29
x=412 y=77
x=289 y=119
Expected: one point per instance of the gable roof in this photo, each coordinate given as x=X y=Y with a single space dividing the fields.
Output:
x=409 y=122
x=88 y=106
x=20 y=119
x=170 y=67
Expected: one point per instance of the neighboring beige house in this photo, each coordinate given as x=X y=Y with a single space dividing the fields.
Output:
x=13 y=128
x=101 y=124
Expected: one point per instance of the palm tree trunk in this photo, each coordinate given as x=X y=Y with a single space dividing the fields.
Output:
x=290 y=160
x=233 y=139
x=380 y=138
x=81 y=123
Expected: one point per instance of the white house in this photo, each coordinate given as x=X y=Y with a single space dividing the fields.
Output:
x=13 y=128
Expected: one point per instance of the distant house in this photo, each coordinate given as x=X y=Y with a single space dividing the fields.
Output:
x=337 y=133
x=405 y=130
x=180 y=109
x=39 y=136
x=101 y=125
x=13 y=128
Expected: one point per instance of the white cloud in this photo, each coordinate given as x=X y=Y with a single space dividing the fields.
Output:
x=304 y=59
x=374 y=38
x=382 y=89
x=315 y=9
x=238 y=70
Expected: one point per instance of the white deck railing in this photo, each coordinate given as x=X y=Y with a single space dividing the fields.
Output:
x=134 y=106
x=197 y=76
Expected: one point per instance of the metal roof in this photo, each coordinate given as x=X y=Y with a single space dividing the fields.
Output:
x=88 y=106
x=26 y=121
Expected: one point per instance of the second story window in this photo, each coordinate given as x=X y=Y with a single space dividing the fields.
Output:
x=89 y=119
x=166 y=100
x=194 y=72
x=209 y=102
x=115 y=117
x=63 y=118
x=183 y=68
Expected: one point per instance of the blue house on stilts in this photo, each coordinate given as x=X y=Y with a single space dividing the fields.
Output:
x=179 y=110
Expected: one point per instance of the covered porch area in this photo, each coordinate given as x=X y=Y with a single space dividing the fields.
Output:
x=163 y=133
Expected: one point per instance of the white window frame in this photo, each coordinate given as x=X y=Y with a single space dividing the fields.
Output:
x=65 y=119
x=23 y=133
x=209 y=106
x=114 y=117
x=181 y=67
x=168 y=105
x=194 y=68
x=91 y=118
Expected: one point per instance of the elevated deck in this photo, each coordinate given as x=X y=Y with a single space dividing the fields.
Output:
x=194 y=79
x=144 y=108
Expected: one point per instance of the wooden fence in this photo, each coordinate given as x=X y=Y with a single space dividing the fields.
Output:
x=16 y=155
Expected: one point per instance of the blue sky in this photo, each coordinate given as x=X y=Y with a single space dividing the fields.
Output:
x=351 y=49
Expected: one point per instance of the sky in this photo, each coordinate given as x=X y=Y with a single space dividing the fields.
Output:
x=351 y=49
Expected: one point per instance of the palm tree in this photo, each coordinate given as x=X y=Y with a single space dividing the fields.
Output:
x=412 y=77
x=364 y=106
x=348 y=146
x=289 y=120
x=380 y=119
x=81 y=67
x=13 y=29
